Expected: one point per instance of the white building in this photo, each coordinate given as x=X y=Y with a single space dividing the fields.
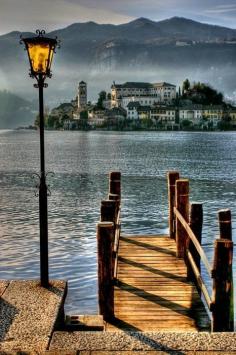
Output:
x=132 y=110
x=165 y=115
x=163 y=92
x=143 y=100
x=166 y=91
x=193 y=113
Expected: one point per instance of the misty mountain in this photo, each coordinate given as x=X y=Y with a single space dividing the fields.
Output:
x=91 y=43
x=141 y=50
x=145 y=30
x=144 y=41
x=15 y=111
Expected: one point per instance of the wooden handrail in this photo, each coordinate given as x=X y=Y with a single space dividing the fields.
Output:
x=116 y=243
x=199 y=280
x=194 y=240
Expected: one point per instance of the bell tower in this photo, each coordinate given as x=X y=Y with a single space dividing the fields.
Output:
x=82 y=95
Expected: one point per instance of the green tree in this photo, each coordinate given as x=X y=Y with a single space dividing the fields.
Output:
x=57 y=123
x=51 y=121
x=102 y=96
x=179 y=92
x=186 y=123
x=186 y=86
x=147 y=122
x=36 y=121
x=204 y=94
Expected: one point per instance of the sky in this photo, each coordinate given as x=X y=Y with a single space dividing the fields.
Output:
x=28 y=15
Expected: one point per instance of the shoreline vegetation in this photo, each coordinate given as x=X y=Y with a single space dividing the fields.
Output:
x=113 y=129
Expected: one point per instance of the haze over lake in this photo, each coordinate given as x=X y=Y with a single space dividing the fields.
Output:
x=80 y=162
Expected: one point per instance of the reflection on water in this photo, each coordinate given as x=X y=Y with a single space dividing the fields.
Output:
x=81 y=161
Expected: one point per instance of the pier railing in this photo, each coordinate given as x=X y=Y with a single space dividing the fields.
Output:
x=185 y=225
x=108 y=235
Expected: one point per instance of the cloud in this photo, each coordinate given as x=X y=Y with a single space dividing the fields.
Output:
x=27 y=15
x=222 y=9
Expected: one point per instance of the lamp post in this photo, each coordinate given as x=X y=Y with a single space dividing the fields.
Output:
x=40 y=51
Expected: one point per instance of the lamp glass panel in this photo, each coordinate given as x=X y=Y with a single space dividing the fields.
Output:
x=39 y=55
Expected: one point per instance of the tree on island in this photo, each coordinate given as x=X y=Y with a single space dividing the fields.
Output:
x=185 y=86
x=186 y=124
x=46 y=116
x=201 y=93
x=101 y=97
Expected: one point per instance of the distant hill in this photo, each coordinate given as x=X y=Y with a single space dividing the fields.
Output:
x=142 y=30
x=144 y=41
x=141 y=50
x=92 y=44
x=14 y=111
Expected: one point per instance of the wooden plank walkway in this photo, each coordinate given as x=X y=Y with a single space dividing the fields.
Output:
x=152 y=292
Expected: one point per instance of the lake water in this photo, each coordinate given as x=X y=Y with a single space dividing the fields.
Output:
x=81 y=162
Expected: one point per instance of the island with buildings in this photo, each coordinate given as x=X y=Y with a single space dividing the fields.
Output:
x=147 y=106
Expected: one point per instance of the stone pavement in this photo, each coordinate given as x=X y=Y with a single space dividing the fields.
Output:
x=169 y=342
x=29 y=314
x=32 y=319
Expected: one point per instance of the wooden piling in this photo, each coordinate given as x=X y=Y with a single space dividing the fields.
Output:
x=115 y=184
x=182 y=205
x=105 y=237
x=223 y=295
x=195 y=223
x=172 y=176
x=223 y=308
x=225 y=224
x=108 y=211
x=222 y=285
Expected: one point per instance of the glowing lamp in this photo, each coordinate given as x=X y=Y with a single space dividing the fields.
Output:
x=40 y=51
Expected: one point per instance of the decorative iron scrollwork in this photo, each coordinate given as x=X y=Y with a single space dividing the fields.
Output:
x=40 y=33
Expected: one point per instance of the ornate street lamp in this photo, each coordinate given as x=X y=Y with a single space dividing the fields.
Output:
x=40 y=51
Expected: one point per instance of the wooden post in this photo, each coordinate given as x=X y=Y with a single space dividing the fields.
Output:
x=172 y=176
x=223 y=303
x=195 y=223
x=108 y=211
x=225 y=224
x=105 y=237
x=182 y=204
x=115 y=183
x=222 y=285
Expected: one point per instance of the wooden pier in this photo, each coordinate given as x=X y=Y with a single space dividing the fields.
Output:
x=152 y=291
x=150 y=287
x=154 y=282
